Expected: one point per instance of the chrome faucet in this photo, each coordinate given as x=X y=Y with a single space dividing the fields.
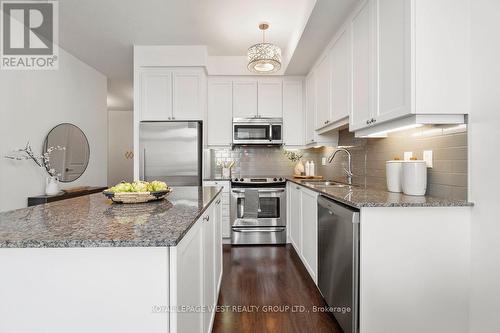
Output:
x=347 y=171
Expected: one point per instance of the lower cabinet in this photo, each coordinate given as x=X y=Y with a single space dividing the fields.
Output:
x=226 y=193
x=196 y=271
x=303 y=225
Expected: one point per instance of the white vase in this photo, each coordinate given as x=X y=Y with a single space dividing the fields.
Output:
x=299 y=169
x=52 y=186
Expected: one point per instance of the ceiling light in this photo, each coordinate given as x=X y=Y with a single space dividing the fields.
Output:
x=264 y=58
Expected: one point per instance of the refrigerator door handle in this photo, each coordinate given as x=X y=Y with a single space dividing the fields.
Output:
x=144 y=165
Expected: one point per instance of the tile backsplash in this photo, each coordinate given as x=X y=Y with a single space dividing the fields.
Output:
x=447 y=178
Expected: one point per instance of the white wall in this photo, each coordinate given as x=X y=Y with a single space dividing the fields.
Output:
x=31 y=103
x=120 y=141
x=485 y=166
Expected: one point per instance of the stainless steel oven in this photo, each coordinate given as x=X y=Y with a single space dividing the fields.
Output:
x=258 y=211
x=260 y=131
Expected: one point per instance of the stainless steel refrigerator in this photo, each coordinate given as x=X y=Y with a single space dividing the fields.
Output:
x=171 y=152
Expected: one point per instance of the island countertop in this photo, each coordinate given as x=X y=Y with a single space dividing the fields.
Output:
x=94 y=221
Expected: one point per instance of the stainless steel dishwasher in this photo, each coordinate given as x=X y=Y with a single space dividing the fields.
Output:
x=338 y=261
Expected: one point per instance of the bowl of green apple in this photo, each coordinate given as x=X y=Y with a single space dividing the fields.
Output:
x=138 y=192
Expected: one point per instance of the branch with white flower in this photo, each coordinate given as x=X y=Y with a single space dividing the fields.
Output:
x=42 y=161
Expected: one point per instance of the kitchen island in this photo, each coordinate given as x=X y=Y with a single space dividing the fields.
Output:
x=87 y=265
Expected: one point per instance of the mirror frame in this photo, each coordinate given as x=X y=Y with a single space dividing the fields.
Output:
x=45 y=143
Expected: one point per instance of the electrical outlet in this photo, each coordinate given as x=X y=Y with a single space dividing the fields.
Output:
x=323 y=161
x=408 y=155
x=428 y=158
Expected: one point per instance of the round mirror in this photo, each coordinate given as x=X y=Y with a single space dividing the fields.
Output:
x=67 y=150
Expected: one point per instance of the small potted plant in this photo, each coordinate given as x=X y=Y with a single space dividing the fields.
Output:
x=295 y=156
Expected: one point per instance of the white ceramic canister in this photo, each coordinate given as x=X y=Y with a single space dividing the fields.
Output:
x=414 y=177
x=394 y=175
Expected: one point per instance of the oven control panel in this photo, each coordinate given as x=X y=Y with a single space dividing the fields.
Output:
x=259 y=180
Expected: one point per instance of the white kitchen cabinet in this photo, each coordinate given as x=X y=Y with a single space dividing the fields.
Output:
x=293 y=115
x=196 y=268
x=219 y=113
x=244 y=98
x=410 y=61
x=171 y=94
x=270 y=98
x=310 y=108
x=323 y=90
x=209 y=267
x=309 y=221
x=156 y=94
x=225 y=202
x=303 y=225
x=188 y=92
x=362 y=68
x=294 y=216
x=187 y=281
x=340 y=60
x=218 y=246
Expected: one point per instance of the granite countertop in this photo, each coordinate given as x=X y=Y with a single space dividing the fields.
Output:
x=359 y=197
x=93 y=221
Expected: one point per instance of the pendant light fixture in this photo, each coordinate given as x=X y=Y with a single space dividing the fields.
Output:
x=264 y=58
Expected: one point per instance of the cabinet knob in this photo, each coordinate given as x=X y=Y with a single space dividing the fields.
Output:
x=374 y=120
x=206 y=218
x=367 y=122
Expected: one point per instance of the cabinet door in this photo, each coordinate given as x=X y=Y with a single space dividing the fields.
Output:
x=309 y=218
x=187 y=280
x=188 y=96
x=295 y=217
x=361 y=69
x=340 y=68
x=393 y=59
x=244 y=99
x=209 y=265
x=293 y=117
x=219 y=118
x=310 y=108
x=323 y=93
x=218 y=246
x=156 y=95
x=270 y=99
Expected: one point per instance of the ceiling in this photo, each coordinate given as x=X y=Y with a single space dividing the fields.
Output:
x=102 y=32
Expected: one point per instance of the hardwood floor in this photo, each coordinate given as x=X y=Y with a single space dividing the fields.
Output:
x=263 y=276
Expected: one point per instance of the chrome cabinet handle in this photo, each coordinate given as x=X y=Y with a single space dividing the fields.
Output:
x=206 y=218
x=218 y=202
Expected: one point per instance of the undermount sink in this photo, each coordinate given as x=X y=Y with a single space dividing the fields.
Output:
x=327 y=184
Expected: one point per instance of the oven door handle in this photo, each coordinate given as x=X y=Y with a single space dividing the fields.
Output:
x=258 y=230
x=260 y=190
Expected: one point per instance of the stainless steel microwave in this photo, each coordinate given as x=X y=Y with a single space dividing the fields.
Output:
x=257 y=131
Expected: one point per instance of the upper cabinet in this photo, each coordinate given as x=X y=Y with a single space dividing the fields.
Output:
x=219 y=113
x=340 y=80
x=254 y=98
x=361 y=68
x=189 y=97
x=244 y=98
x=293 y=115
x=270 y=98
x=156 y=94
x=171 y=94
x=410 y=64
x=310 y=108
x=333 y=85
x=322 y=86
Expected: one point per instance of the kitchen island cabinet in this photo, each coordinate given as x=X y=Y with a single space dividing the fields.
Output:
x=86 y=265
